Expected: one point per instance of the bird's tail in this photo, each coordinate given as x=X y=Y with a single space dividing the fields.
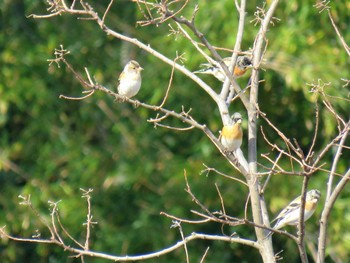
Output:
x=269 y=234
x=207 y=70
x=276 y=226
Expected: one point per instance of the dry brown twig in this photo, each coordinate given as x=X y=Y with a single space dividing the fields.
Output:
x=89 y=223
x=207 y=170
x=308 y=164
x=318 y=88
x=181 y=58
x=324 y=6
x=177 y=224
x=218 y=217
x=204 y=255
x=301 y=223
x=161 y=9
x=221 y=201
x=107 y=10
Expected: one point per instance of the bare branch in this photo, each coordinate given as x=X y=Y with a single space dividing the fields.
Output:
x=289 y=154
x=221 y=200
x=204 y=255
x=225 y=88
x=177 y=224
x=331 y=144
x=26 y=201
x=325 y=215
x=90 y=92
x=107 y=10
x=185 y=220
x=195 y=44
x=170 y=81
x=301 y=223
x=332 y=197
x=217 y=57
x=89 y=222
x=281 y=134
x=54 y=214
x=207 y=170
x=157 y=254
x=258 y=204
x=189 y=191
x=273 y=167
x=310 y=153
x=324 y=5
x=88 y=12
x=66 y=232
x=161 y=8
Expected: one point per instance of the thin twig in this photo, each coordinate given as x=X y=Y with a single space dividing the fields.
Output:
x=317 y=117
x=26 y=201
x=89 y=222
x=301 y=223
x=169 y=85
x=107 y=10
x=274 y=146
x=54 y=214
x=177 y=224
x=185 y=220
x=189 y=191
x=221 y=199
x=209 y=169
x=204 y=255
x=66 y=232
x=341 y=38
x=269 y=176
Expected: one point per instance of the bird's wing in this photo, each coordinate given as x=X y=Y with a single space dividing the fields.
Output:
x=121 y=76
x=292 y=207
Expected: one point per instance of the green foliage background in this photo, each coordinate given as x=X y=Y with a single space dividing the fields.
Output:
x=50 y=148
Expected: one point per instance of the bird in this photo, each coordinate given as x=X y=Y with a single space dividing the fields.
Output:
x=232 y=134
x=130 y=79
x=290 y=214
x=242 y=65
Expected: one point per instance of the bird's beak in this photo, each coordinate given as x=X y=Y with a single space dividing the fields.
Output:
x=141 y=68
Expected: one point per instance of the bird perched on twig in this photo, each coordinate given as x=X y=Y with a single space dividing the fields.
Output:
x=242 y=65
x=231 y=135
x=130 y=79
x=290 y=214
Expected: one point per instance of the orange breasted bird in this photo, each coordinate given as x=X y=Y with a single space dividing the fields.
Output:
x=242 y=65
x=290 y=214
x=232 y=134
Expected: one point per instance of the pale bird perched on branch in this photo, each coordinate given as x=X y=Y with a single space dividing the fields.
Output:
x=290 y=215
x=232 y=135
x=130 y=79
x=242 y=65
